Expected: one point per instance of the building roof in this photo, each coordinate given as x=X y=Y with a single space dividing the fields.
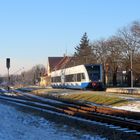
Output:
x=53 y=61
x=62 y=63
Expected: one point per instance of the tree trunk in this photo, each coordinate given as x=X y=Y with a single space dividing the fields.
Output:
x=115 y=79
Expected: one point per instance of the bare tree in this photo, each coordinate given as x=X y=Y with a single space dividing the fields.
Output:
x=130 y=40
x=115 y=56
x=33 y=75
x=109 y=54
x=135 y=29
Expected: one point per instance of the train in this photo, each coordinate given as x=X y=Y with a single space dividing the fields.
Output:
x=78 y=77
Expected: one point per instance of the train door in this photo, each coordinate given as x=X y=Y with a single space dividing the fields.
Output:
x=62 y=77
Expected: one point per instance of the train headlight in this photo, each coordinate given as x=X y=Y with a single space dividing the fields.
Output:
x=94 y=84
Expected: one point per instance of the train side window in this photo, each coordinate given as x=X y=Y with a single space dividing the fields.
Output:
x=79 y=77
x=52 y=79
x=69 y=78
x=66 y=78
x=75 y=77
x=56 y=79
x=82 y=76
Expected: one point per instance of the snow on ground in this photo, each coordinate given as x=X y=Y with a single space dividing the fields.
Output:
x=133 y=106
x=18 y=125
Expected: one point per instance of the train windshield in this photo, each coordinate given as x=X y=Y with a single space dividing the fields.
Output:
x=93 y=72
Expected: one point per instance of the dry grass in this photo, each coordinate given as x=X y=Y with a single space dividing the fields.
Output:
x=104 y=99
x=94 y=97
x=46 y=91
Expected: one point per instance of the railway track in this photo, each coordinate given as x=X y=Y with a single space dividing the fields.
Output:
x=79 y=110
x=100 y=108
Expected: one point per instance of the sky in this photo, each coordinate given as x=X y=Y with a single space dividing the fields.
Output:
x=33 y=30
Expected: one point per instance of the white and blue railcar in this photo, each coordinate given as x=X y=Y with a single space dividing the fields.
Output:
x=78 y=77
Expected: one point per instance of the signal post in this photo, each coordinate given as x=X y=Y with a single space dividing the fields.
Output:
x=8 y=67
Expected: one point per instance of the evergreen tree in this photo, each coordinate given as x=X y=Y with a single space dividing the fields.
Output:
x=84 y=53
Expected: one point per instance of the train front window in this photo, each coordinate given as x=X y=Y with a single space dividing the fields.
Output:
x=93 y=72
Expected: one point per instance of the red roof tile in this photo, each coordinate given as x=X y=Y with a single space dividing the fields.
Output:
x=53 y=61
x=63 y=62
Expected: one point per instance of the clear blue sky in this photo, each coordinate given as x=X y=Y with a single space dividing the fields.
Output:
x=32 y=30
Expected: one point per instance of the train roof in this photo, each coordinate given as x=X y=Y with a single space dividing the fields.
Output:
x=92 y=64
x=78 y=66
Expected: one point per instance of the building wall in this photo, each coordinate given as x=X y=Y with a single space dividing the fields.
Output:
x=45 y=81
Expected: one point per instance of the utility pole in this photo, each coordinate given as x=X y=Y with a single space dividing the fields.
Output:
x=8 y=67
x=131 y=67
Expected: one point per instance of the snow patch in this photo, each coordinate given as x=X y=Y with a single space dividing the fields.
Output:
x=18 y=125
x=134 y=106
